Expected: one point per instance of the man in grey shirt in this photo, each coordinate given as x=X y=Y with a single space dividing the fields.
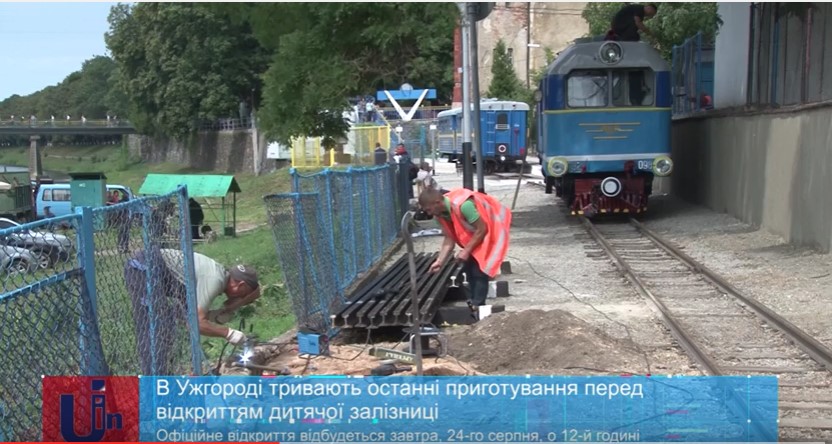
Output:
x=160 y=305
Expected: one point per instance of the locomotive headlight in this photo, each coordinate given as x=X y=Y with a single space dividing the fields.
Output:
x=502 y=158
x=557 y=166
x=610 y=53
x=662 y=166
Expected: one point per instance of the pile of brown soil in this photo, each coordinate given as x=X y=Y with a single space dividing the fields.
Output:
x=542 y=342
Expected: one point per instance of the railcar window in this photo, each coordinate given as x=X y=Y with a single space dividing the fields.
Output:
x=502 y=121
x=587 y=89
x=633 y=87
x=445 y=124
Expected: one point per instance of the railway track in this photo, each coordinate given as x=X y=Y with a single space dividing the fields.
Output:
x=724 y=331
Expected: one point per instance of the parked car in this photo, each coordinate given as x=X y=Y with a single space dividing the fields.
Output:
x=47 y=248
x=17 y=260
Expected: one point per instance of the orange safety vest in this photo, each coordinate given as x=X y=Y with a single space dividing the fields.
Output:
x=494 y=247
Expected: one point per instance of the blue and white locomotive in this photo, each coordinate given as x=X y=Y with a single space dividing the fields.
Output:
x=503 y=126
x=604 y=116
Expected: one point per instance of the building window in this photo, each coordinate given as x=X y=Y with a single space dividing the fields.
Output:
x=510 y=53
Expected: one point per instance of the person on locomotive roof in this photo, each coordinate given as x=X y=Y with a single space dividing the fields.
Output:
x=629 y=20
x=480 y=225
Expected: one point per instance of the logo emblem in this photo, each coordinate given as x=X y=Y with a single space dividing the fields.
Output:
x=90 y=409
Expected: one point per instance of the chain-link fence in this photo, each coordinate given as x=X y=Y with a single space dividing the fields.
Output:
x=416 y=136
x=362 y=140
x=693 y=75
x=106 y=291
x=309 y=153
x=332 y=227
x=790 y=60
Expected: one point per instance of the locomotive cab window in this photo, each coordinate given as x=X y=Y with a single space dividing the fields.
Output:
x=587 y=89
x=633 y=87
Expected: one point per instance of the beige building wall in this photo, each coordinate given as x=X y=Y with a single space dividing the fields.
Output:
x=553 y=25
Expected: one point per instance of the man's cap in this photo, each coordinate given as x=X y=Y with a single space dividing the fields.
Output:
x=245 y=273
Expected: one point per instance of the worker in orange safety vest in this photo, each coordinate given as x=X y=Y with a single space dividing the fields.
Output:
x=480 y=225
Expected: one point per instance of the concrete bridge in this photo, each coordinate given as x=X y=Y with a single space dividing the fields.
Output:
x=73 y=128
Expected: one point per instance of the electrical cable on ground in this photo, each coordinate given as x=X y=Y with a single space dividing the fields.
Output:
x=366 y=344
x=574 y=296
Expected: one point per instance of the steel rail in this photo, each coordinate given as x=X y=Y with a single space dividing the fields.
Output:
x=814 y=348
x=679 y=333
x=735 y=403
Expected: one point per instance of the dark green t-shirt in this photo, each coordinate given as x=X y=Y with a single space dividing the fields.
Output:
x=468 y=210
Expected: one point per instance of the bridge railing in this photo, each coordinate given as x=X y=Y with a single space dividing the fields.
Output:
x=36 y=123
x=227 y=124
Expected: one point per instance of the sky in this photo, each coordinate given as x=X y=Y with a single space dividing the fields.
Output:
x=42 y=43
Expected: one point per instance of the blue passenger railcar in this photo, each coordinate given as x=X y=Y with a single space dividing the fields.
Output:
x=503 y=126
x=604 y=115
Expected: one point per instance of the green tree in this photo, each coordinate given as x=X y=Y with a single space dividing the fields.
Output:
x=673 y=23
x=181 y=63
x=324 y=53
x=504 y=82
x=84 y=92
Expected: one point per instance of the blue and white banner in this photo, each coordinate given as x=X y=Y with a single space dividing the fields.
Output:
x=459 y=409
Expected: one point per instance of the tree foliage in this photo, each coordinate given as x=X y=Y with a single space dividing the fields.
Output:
x=85 y=92
x=325 y=53
x=673 y=23
x=504 y=82
x=180 y=63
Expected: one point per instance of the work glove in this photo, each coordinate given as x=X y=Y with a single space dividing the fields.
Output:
x=235 y=337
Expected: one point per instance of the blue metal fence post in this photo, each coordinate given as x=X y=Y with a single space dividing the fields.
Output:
x=295 y=180
x=297 y=209
x=353 y=237
x=377 y=174
x=330 y=217
x=147 y=221
x=190 y=278
x=365 y=203
x=92 y=352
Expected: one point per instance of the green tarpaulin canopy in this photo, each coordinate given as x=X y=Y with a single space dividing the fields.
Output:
x=207 y=185
x=204 y=186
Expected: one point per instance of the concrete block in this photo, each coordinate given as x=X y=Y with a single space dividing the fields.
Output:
x=502 y=289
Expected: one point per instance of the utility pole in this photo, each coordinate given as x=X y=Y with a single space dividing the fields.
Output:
x=467 y=179
x=528 y=42
x=475 y=93
x=471 y=13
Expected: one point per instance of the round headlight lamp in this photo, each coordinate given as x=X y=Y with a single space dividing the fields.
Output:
x=610 y=53
x=662 y=166
x=557 y=166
